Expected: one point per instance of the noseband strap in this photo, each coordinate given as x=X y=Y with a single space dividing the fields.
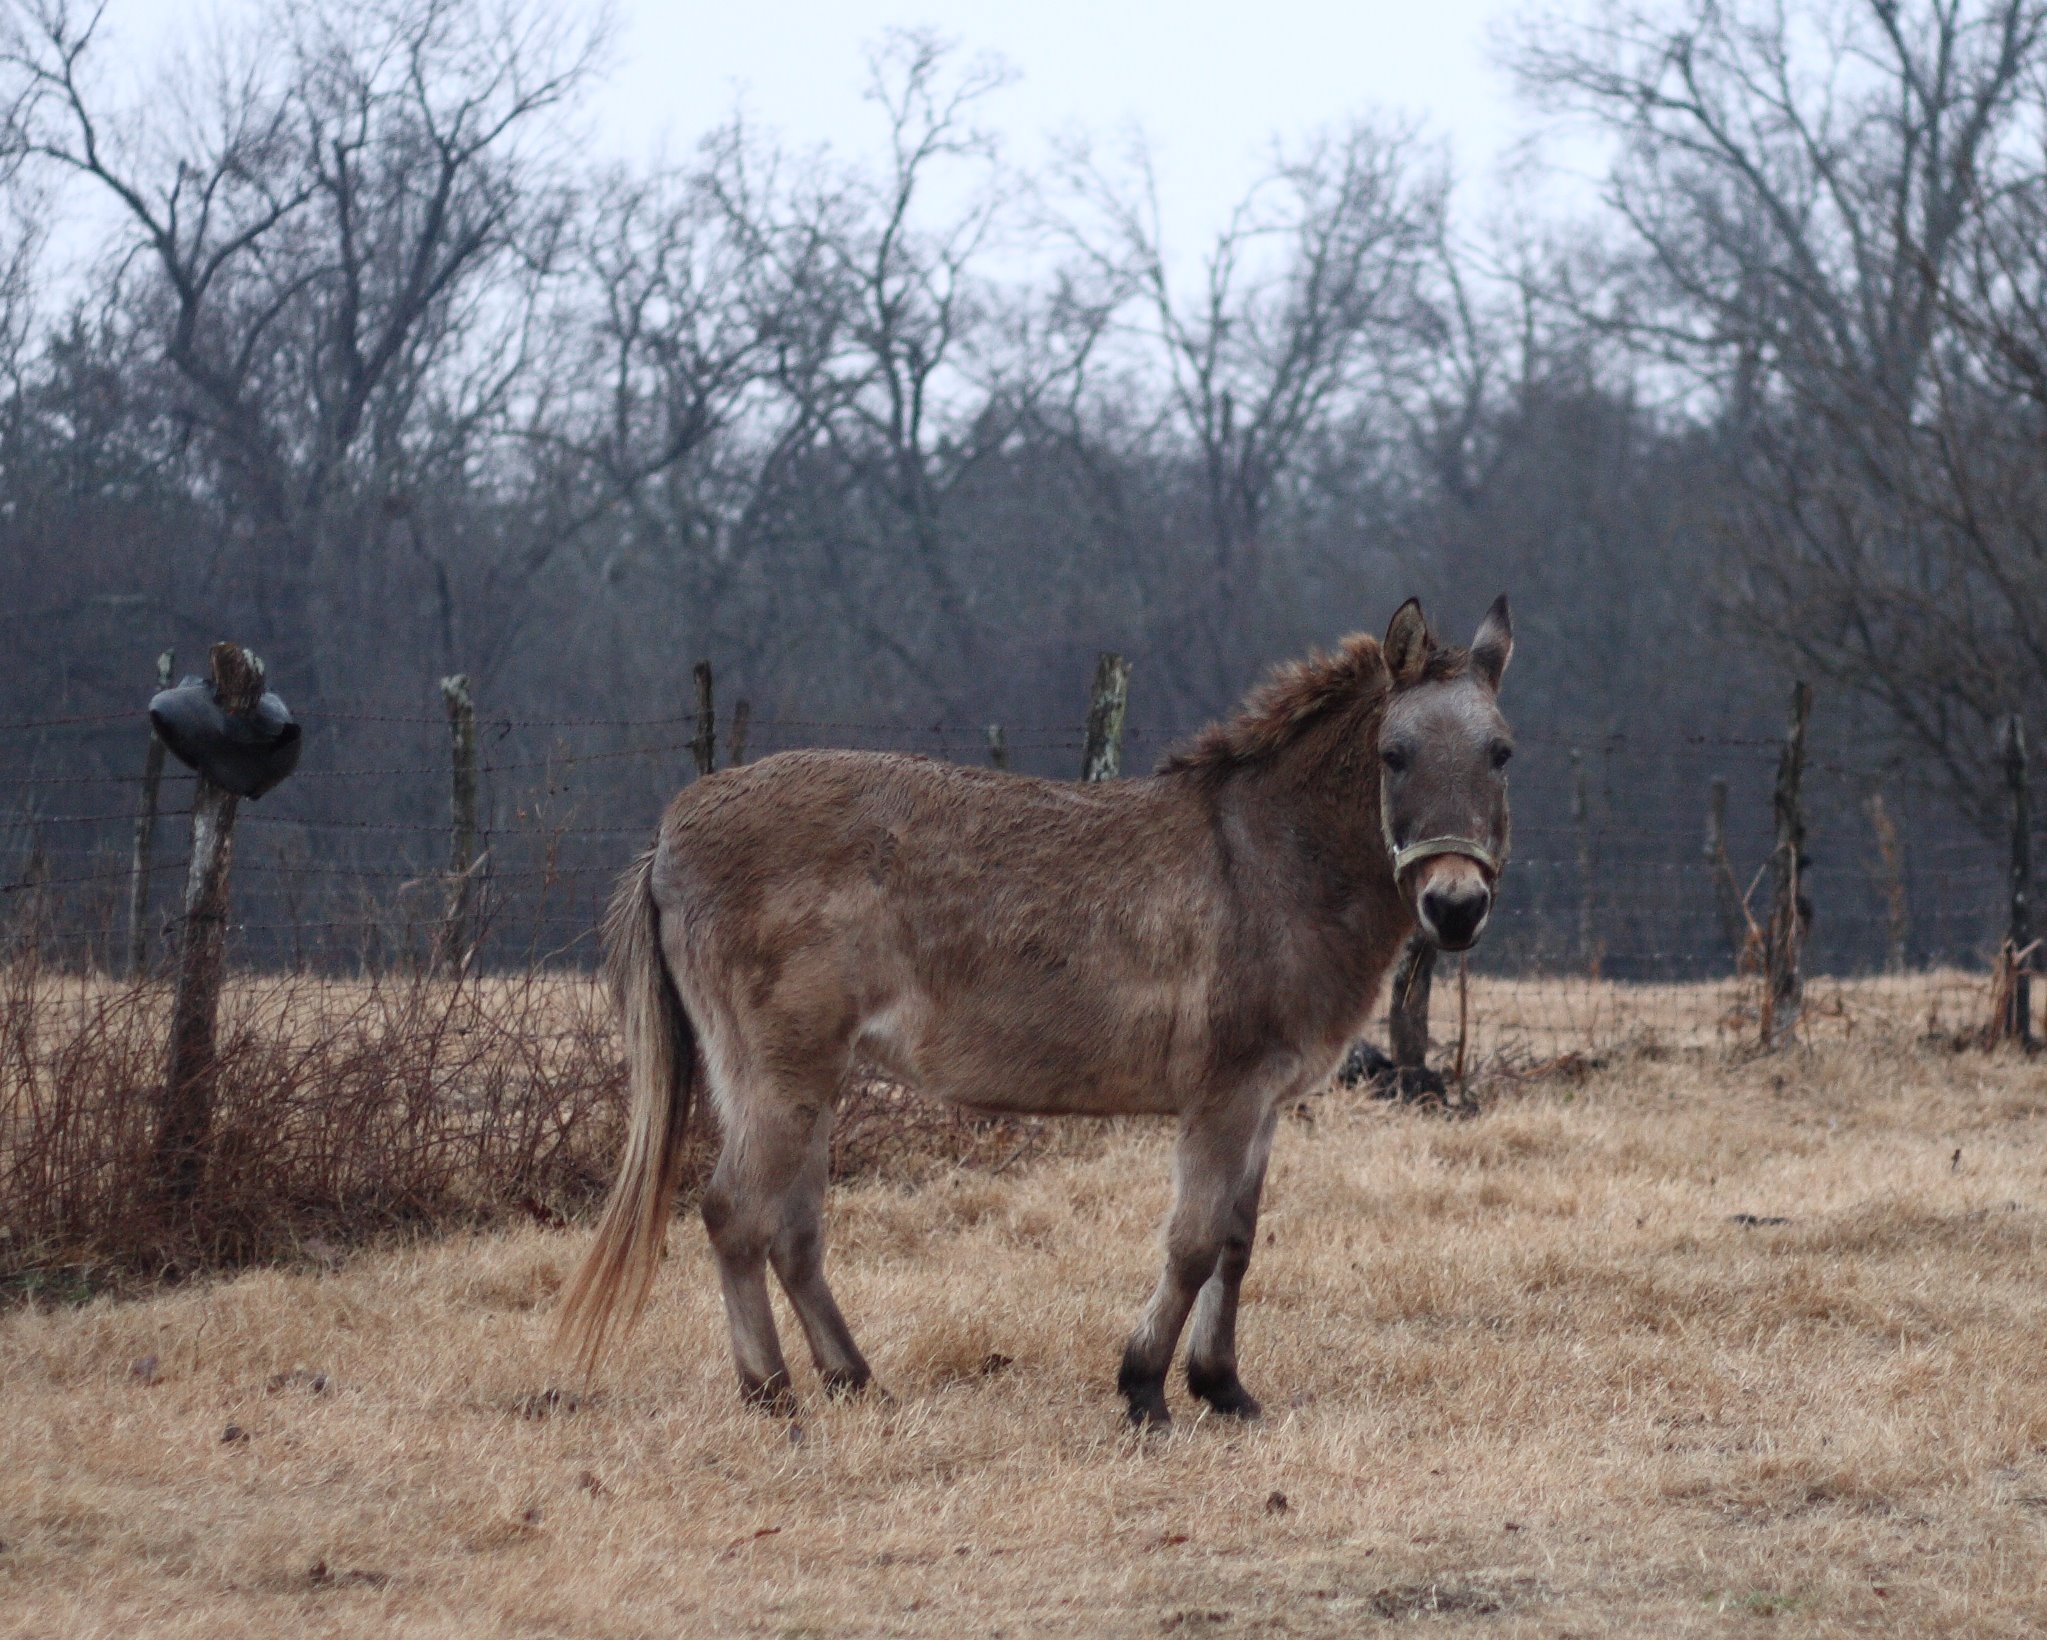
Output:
x=1405 y=855
x=1429 y=847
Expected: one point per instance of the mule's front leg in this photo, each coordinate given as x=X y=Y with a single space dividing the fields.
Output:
x=1210 y=1163
x=1212 y=1348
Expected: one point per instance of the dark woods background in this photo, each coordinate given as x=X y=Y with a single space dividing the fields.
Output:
x=329 y=339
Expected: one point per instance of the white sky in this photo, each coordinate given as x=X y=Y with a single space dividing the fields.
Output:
x=1210 y=82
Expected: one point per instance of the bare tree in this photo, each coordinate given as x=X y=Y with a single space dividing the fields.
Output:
x=309 y=223
x=897 y=307
x=658 y=336
x=1806 y=197
x=1312 y=290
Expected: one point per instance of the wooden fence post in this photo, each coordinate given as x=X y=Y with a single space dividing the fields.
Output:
x=35 y=878
x=1726 y=892
x=462 y=859
x=742 y=720
x=1459 y=1066
x=2018 y=952
x=185 y=1120
x=1407 y=1014
x=141 y=863
x=1581 y=820
x=1108 y=701
x=1783 y=989
x=704 y=748
x=1890 y=859
x=998 y=747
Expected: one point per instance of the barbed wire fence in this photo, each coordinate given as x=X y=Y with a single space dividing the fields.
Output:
x=1639 y=888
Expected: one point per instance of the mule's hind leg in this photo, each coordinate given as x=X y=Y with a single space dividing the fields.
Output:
x=797 y=1253
x=1212 y=1346
x=767 y=1142
x=1210 y=1165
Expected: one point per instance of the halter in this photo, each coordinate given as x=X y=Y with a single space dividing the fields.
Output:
x=1429 y=847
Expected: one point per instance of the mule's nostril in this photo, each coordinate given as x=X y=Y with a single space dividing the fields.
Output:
x=1454 y=919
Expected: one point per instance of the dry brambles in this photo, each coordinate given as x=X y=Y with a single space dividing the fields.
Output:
x=1673 y=1342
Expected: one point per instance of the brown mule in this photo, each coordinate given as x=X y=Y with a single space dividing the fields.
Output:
x=1203 y=943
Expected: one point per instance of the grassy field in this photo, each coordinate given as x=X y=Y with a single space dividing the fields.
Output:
x=1669 y=1342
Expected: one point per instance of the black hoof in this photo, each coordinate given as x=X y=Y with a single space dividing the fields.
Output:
x=1146 y=1393
x=772 y=1396
x=839 y=1383
x=1224 y=1393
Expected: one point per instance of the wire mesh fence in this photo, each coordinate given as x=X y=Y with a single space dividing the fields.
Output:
x=1614 y=895
x=363 y=1082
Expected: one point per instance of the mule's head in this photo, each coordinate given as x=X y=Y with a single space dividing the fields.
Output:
x=1443 y=750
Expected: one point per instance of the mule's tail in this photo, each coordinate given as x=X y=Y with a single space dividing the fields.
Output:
x=611 y=1289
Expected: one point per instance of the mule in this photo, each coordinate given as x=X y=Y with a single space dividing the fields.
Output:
x=1202 y=943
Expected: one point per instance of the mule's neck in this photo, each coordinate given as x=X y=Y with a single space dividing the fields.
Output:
x=1311 y=812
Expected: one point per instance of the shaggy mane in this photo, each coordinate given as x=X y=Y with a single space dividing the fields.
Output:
x=1295 y=696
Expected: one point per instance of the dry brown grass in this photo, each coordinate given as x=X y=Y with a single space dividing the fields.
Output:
x=1534 y=1020
x=1526 y=1374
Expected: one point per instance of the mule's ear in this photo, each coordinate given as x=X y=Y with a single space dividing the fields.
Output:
x=1407 y=642
x=1493 y=647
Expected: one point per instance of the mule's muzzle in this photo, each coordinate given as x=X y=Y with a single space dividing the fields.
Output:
x=1454 y=914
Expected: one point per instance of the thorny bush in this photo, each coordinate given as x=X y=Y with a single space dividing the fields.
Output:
x=347 y=1109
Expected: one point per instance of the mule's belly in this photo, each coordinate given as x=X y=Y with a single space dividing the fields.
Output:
x=1008 y=1091
x=1071 y=1062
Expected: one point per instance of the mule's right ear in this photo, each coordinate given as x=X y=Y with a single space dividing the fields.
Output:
x=1407 y=642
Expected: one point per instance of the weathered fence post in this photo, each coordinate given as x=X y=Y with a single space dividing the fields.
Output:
x=1458 y=1066
x=140 y=865
x=998 y=747
x=1407 y=1014
x=455 y=925
x=2017 y=1024
x=1726 y=892
x=1108 y=701
x=1890 y=858
x=35 y=879
x=1783 y=989
x=742 y=720
x=704 y=748
x=1581 y=820
x=185 y=1125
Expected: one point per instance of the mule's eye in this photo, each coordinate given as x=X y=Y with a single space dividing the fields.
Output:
x=1394 y=757
x=1501 y=752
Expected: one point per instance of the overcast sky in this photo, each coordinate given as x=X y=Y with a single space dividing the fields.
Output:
x=1210 y=82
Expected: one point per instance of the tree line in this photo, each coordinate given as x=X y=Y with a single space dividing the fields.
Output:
x=328 y=335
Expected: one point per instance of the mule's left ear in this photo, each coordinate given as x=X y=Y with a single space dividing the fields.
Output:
x=1493 y=647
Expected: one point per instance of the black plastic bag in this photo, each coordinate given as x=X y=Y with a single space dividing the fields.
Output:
x=246 y=753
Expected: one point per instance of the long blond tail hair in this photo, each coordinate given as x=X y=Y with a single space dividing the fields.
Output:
x=617 y=1275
